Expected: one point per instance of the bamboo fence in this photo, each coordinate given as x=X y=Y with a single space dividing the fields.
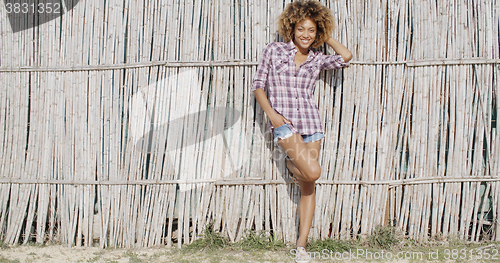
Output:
x=132 y=124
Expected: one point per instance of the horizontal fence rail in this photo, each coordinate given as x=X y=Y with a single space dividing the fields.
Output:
x=254 y=181
x=178 y=64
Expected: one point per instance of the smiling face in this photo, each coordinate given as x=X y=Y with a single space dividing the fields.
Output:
x=304 y=35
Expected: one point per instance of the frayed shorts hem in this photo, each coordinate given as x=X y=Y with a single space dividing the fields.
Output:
x=284 y=131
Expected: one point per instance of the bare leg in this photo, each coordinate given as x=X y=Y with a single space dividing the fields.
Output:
x=292 y=168
x=307 y=201
x=302 y=158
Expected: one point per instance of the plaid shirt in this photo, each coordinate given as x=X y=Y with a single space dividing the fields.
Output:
x=291 y=91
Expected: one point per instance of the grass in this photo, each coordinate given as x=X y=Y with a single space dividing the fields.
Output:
x=93 y=259
x=384 y=237
x=6 y=260
x=267 y=246
x=133 y=257
x=259 y=241
x=210 y=240
x=384 y=242
x=214 y=247
x=3 y=245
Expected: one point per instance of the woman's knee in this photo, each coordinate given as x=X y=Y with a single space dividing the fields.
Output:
x=313 y=173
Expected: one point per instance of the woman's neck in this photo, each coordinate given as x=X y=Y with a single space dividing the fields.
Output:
x=302 y=51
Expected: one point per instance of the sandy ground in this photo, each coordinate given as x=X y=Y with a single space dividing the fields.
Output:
x=57 y=253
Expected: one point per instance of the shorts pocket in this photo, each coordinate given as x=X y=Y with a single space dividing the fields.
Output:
x=282 y=132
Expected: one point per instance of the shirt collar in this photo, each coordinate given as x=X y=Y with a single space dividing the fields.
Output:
x=290 y=46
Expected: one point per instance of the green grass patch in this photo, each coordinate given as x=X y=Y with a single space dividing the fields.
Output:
x=259 y=241
x=3 y=245
x=133 y=257
x=210 y=240
x=6 y=260
x=383 y=237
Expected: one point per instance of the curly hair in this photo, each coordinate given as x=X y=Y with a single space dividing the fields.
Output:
x=298 y=11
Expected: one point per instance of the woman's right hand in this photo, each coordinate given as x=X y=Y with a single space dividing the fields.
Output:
x=278 y=120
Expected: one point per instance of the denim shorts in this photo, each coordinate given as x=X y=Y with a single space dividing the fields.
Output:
x=283 y=132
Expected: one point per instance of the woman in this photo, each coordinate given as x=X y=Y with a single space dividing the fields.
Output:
x=290 y=71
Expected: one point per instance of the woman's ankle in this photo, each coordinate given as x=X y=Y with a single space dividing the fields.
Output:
x=301 y=244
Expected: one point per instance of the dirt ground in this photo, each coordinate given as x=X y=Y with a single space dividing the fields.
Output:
x=58 y=253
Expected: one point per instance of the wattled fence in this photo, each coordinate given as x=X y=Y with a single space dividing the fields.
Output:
x=133 y=124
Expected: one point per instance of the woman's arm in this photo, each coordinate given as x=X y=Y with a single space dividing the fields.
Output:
x=275 y=118
x=340 y=49
x=259 y=83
